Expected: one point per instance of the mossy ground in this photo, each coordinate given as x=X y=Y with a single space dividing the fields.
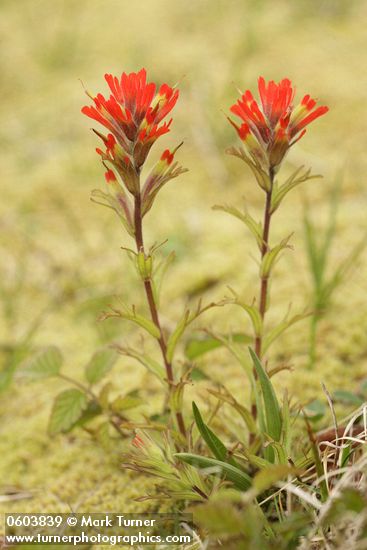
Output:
x=60 y=254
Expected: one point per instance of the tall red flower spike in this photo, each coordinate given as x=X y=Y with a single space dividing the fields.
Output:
x=271 y=128
x=133 y=113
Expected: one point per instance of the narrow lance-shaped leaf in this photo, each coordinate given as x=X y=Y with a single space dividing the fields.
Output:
x=218 y=448
x=270 y=257
x=176 y=396
x=176 y=335
x=257 y=460
x=262 y=177
x=186 y=320
x=252 y=311
x=239 y=478
x=272 y=410
x=153 y=366
x=282 y=327
x=121 y=207
x=131 y=315
x=254 y=227
x=279 y=452
x=295 y=179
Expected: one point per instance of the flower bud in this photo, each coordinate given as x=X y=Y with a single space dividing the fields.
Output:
x=145 y=265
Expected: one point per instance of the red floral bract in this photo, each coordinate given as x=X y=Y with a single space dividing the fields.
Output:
x=133 y=112
x=269 y=129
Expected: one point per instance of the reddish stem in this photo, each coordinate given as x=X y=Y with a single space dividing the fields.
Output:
x=153 y=307
x=263 y=298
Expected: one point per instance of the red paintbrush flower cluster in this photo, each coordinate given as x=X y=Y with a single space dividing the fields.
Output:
x=134 y=114
x=271 y=128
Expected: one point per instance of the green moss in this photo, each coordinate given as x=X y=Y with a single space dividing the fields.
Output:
x=60 y=255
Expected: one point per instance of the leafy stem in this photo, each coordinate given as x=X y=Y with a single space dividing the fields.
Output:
x=153 y=306
x=264 y=280
x=264 y=277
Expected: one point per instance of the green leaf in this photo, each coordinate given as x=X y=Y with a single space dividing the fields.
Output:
x=67 y=409
x=218 y=448
x=153 y=366
x=93 y=409
x=346 y=454
x=279 y=451
x=257 y=460
x=254 y=164
x=282 y=327
x=99 y=365
x=124 y=403
x=130 y=315
x=197 y=347
x=145 y=323
x=104 y=395
x=247 y=219
x=315 y=410
x=270 y=257
x=186 y=320
x=295 y=179
x=239 y=478
x=348 y=397
x=115 y=203
x=176 y=335
x=251 y=311
x=272 y=410
x=45 y=364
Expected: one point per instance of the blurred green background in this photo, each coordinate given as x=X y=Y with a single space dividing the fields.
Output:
x=60 y=256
